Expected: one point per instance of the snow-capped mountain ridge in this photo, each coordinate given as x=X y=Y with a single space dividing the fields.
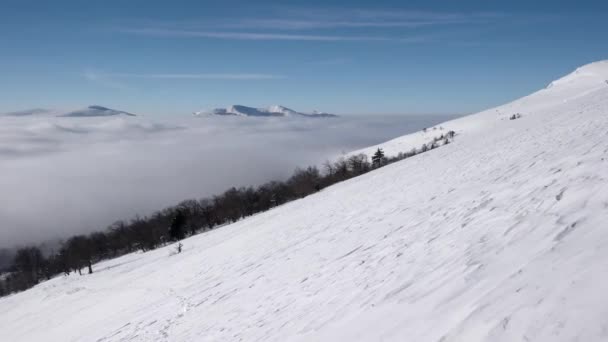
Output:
x=271 y=111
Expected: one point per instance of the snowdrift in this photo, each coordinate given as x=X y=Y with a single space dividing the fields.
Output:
x=499 y=236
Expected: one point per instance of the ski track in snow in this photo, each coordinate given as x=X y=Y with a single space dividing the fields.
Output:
x=499 y=236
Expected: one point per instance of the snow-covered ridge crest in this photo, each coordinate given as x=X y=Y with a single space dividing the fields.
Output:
x=271 y=111
x=585 y=80
x=592 y=74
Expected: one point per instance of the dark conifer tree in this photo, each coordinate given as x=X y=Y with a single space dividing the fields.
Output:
x=176 y=230
x=378 y=158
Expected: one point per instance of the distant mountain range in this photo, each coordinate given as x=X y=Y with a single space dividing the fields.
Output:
x=235 y=110
x=272 y=111
x=90 y=111
x=28 y=112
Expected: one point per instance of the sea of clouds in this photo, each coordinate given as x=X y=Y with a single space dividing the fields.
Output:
x=61 y=176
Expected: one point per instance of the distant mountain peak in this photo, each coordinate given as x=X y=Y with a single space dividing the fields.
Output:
x=270 y=111
x=28 y=112
x=98 y=107
x=95 y=110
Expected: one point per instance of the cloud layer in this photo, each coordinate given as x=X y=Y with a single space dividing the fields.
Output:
x=61 y=176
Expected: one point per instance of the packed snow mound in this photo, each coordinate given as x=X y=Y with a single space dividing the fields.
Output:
x=92 y=111
x=271 y=111
x=498 y=236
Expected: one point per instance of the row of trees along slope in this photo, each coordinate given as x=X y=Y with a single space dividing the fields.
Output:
x=189 y=217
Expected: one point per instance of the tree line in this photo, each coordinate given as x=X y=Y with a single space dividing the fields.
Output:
x=30 y=266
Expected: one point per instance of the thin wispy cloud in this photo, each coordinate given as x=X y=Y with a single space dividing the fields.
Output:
x=296 y=24
x=267 y=36
x=117 y=80
x=195 y=76
x=332 y=61
x=319 y=19
x=439 y=17
x=314 y=19
x=104 y=80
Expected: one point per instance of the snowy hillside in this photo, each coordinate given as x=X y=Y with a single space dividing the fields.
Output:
x=563 y=95
x=275 y=110
x=498 y=236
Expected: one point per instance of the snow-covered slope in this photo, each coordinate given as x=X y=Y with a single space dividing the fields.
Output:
x=499 y=236
x=96 y=111
x=274 y=110
x=560 y=95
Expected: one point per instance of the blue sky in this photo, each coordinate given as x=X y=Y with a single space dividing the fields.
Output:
x=400 y=57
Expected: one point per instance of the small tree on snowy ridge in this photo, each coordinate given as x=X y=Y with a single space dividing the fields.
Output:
x=378 y=158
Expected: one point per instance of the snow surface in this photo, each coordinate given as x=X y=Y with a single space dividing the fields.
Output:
x=498 y=236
